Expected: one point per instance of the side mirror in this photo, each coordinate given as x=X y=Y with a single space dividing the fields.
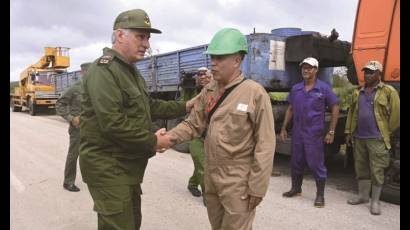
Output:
x=33 y=77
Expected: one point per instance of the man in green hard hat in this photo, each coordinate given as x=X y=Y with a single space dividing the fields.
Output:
x=116 y=123
x=236 y=117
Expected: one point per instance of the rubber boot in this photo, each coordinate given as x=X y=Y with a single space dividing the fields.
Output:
x=320 y=194
x=375 y=203
x=364 y=193
x=296 y=189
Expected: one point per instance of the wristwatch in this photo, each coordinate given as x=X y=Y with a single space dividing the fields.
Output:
x=331 y=132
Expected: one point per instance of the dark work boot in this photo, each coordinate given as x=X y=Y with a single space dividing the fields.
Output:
x=71 y=187
x=296 y=189
x=320 y=194
x=194 y=190
x=375 y=203
x=364 y=192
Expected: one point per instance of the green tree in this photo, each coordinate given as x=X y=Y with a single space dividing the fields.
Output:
x=13 y=85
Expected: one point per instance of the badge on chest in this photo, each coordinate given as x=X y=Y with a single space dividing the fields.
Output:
x=242 y=107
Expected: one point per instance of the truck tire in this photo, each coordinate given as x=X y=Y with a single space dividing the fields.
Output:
x=182 y=147
x=32 y=108
x=14 y=108
x=391 y=187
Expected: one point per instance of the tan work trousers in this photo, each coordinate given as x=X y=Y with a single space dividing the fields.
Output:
x=226 y=209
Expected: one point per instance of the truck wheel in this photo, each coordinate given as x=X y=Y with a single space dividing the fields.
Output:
x=14 y=108
x=182 y=147
x=32 y=108
x=391 y=187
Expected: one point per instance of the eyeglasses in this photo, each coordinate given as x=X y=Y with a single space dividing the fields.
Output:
x=369 y=71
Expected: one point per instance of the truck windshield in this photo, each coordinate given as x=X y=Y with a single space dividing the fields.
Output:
x=43 y=78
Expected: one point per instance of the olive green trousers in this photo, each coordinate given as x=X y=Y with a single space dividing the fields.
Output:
x=70 y=169
x=118 y=207
x=371 y=157
x=196 y=149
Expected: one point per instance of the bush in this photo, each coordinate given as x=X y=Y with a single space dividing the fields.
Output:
x=13 y=85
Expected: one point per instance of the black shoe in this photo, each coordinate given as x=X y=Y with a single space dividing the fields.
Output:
x=71 y=187
x=194 y=191
x=320 y=194
x=296 y=189
x=319 y=201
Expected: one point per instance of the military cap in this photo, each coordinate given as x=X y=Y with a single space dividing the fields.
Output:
x=134 y=19
x=84 y=66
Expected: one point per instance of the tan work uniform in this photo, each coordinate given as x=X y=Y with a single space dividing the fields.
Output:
x=239 y=150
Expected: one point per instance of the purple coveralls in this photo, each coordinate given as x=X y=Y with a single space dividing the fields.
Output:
x=309 y=127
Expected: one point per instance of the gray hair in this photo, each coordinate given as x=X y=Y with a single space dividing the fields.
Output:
x=113 y=39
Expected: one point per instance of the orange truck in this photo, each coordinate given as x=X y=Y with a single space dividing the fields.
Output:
x=377 y=37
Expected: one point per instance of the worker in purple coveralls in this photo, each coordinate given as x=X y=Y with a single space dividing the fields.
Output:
x=308 y=103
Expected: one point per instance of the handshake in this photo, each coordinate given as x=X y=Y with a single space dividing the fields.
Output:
x=164 y=140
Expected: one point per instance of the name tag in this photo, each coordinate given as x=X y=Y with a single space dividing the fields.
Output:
x=242 y=107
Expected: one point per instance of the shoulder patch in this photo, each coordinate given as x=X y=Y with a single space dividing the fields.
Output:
x=105 y=59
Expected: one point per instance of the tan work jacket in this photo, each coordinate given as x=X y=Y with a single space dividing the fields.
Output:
x=240 y=136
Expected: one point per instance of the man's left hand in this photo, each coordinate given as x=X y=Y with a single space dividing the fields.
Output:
x=253 y=201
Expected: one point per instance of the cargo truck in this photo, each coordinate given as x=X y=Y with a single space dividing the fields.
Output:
x=36 y=91
x=273 y=59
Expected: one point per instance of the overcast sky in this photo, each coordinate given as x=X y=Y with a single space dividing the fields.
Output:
x=85 y=26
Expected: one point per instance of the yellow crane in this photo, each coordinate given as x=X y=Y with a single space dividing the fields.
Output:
x=36 y=89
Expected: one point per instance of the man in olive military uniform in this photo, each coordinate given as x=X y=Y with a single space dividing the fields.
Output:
x=69 y=107
x=196 y=146
x=116 y=121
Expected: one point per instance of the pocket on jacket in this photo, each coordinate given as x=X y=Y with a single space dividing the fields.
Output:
x=318 y=104
x=384 y=104
x=133 y=96
x=234 y=129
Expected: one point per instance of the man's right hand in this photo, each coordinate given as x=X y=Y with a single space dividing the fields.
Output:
x=164 y=140
x=76 y=121
x=348 y=139
x=283 y=135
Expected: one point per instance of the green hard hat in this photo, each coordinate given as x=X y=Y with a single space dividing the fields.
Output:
x=227 y=41
x=134 y=19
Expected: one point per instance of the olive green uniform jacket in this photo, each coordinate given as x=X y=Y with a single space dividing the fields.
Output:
x=69 y=106
x=386 y=111
x=116 y=121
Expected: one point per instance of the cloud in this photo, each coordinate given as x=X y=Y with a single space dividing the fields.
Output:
x=86 y=26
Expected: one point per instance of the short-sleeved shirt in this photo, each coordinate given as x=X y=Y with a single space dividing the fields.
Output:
x=309 y=111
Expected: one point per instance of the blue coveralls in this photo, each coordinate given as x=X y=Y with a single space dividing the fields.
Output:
x=309 y=127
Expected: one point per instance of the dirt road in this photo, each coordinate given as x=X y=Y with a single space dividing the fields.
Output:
x=38 y=200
